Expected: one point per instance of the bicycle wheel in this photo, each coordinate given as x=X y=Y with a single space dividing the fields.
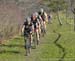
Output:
x=27 y=45
x=35 y=40
x=43 y=31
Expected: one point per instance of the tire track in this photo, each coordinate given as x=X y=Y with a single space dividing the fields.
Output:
x=60 y=46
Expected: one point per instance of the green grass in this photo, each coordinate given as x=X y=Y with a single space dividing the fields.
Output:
x=47 y=50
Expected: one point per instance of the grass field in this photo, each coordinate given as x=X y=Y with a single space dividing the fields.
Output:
x=51 y=48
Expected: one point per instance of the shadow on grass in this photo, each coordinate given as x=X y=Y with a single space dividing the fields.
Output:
x=4 y=51
x=12 y=45
x=60 y=46
x=9 y=51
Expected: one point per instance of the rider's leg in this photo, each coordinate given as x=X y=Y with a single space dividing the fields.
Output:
x=37 y=34
x=31 y=39
x=44 y=23
x=26 y=46
x=39 y=31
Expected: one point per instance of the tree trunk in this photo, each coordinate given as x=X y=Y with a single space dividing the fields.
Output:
x=66 y=15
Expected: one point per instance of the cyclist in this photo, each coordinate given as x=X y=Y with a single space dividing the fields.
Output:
x=44 y=17
x=36 y=24
x=28 y=30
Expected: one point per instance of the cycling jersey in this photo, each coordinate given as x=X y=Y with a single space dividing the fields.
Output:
x=35 y=22
x=27 y=29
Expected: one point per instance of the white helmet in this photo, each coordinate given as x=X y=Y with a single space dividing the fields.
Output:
x=28 y=20
x=36 y=14
x=41 y=10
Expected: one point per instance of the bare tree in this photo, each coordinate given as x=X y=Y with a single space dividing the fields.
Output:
x=73 y=10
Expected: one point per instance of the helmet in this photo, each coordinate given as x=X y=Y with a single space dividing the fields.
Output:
x=28 y=20
x=36 y=14
x=41 y=10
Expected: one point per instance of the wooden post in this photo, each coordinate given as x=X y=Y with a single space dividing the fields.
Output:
x=74 y=19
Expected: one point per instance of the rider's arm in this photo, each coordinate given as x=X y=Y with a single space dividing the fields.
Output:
x=38 y=22
x=23 y=28
x=46 y=17
x=32 y=28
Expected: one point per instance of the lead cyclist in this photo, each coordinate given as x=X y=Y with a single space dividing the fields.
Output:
x=27 y=30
